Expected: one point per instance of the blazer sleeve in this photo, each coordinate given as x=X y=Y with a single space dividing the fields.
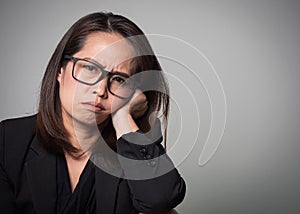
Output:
x=6 y=194
x=154 y=182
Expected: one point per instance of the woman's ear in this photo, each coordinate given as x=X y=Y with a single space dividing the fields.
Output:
x=59 y=76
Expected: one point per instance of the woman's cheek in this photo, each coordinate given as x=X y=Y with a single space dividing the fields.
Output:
x=66 y=91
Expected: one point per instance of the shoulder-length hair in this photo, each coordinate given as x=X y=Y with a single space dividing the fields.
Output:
x=50 y=129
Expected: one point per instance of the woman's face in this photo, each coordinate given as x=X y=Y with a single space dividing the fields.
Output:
x=93 y=104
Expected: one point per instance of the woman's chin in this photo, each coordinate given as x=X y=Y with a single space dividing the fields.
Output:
x=102 y=120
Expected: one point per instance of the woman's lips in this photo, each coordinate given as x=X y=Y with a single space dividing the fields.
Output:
x=97 y=107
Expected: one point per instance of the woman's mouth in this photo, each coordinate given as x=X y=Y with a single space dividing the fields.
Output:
x=96 y=107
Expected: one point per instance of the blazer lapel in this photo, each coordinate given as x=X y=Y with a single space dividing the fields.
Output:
x=41 y=173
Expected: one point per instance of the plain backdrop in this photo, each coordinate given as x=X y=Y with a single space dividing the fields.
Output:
x=254 y=47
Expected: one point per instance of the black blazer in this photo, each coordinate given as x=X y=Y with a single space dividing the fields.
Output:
x=28 y=177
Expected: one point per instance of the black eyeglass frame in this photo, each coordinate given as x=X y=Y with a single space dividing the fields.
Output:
x=103 y=74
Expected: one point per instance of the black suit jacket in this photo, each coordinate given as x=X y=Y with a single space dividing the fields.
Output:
x=28 y=177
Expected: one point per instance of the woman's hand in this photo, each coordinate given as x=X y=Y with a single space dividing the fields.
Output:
x=138 y=105
x=123 y=118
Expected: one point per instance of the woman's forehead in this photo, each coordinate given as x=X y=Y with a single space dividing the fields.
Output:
x=108 y=47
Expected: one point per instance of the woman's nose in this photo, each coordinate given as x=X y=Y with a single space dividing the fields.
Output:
x=101 y=88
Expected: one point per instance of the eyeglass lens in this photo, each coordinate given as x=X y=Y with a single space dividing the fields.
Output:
x=90 y=73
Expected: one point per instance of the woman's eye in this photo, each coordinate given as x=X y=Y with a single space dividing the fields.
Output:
x=91 y=68
x=118 y=79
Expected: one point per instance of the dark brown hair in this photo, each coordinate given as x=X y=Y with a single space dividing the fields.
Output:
x=50 y=129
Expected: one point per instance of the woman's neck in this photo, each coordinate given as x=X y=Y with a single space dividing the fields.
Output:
x=82 y=136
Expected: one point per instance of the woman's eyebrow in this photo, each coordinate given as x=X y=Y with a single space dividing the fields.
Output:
x=120 y=73
x=103 y=67
x=96 y=62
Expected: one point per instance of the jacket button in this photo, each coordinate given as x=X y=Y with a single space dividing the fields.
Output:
x=148 y=156
x=143 y=150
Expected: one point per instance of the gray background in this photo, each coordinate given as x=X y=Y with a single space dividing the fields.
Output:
x=255 y=48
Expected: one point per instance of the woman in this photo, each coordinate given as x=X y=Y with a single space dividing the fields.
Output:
x=94 y=146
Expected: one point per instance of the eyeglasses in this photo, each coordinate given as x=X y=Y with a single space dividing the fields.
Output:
x=90 y=73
